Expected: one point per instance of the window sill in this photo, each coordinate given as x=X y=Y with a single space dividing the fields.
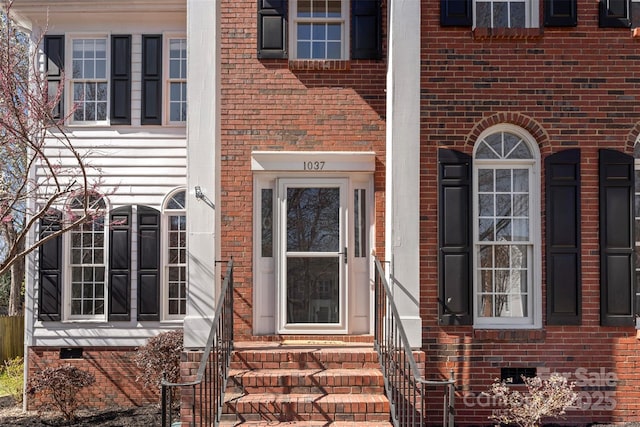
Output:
x=319 y=65
x=507 y=33
x=509 y=335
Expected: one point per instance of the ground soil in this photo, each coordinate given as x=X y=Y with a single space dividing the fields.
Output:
x=11 y=414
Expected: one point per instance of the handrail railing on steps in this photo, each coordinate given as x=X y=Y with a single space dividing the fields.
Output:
x=405 y=386
x=207 y=389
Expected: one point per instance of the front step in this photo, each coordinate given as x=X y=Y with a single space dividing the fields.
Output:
x=305 y=385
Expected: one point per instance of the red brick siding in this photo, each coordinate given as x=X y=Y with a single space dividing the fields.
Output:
x=114 y=370
x=569 y=87
x=268 y=105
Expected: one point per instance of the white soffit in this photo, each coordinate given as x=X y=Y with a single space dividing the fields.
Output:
x=314 y=161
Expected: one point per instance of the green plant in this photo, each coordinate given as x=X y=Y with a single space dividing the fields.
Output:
x=61 y=385
x=544 y=398
x=12 y=378
x=159 y=358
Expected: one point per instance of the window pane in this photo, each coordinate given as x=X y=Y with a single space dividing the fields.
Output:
x=485 y=205
x=486 y=256
x=503 y=180
x=267 y=222
x=334 y=51
x=486 y=231
x=521 y=205
x=500 y=15
x=334 y=9
x=318 y=50
x=503 y=204
x=517 y=15
x=521 y=180
x=483 y=15
x=304 y=8
x=521 y=229
x=485 y=180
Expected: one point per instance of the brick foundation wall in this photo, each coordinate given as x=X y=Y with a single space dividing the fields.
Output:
x=574 y=87
x=115 y=373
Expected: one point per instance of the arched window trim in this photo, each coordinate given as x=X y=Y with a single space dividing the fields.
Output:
x=534 y=319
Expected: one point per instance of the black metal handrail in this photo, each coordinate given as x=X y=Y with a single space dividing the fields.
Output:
x=406 y=387
x=207 y=390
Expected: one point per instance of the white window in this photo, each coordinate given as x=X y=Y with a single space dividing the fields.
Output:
x=89 y=80
x=175 y=254
x=177 y=80
x=87 y=263
x=320 y=29
x=506 y=230
x=506 y=13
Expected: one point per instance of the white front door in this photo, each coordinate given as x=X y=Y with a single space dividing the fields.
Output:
x=312 y=250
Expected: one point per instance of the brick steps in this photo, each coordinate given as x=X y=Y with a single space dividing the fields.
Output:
x=315 y=385
x=304 y=424
x=285 y=381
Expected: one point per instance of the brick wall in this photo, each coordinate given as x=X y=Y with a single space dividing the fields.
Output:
x=569 y=87
x=277 y=105
x=114 y=370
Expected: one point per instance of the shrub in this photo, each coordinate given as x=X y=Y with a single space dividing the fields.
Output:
x=12 y=378
x=545 y=398
x=61 y=385
x=160 y=357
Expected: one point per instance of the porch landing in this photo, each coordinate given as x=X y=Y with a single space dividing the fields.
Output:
x=306 y=381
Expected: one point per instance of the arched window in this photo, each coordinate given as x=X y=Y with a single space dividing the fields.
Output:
x=175 y=253
x=506 y=229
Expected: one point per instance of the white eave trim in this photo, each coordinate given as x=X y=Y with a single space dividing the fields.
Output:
x=41 y=7
x=314 y=161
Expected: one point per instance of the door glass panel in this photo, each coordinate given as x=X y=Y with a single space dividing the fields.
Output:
x=313 y=255
x=312 y=290
x=313 y=219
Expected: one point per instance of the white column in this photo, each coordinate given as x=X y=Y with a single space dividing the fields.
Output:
x=203 y=167
x=402 y=226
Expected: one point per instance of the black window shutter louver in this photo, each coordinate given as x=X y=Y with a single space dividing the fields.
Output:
x=151 y=80
x=366 y=33
x=121 y=80
x=50 y=269
x=564 y=295
x=148 y=263
x=454 y=238
x=615 y=13
x=560 y=13
x=272 y=29
x=54 y=53
x=617 y=284
x=456 y=13
x=120 y=264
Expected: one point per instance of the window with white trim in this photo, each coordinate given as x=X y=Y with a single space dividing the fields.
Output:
x=319 y=29
x=506 y=13
x=175 y=252
x=87 y=263
x=177 y=80
x=89 y=80
x=506 y=230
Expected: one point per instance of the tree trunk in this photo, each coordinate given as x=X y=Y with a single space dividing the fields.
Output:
x=17 y=278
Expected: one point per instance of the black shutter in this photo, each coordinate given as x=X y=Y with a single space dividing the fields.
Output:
x=560 y=13
x=272 y=29
x=54 y=65
x=120 y=264
x=50 y=269
x=564 y=294
x=148 y=263
x=615 y=13
x=455 y=238
x=617 y=293
x=151 y=80
x=121 y=80
x=456 y=13
x=366 y=33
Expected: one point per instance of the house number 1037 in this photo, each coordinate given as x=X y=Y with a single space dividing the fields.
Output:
x=313 y=166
